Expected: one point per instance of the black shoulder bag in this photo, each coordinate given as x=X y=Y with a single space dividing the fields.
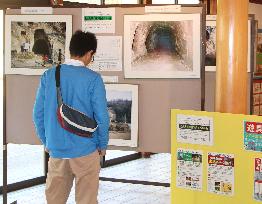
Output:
x=70 y=119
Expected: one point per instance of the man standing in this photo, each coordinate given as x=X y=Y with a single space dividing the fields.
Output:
x=71 y=156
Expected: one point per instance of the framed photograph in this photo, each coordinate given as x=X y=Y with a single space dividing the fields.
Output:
x=34 y=43
x=122 y=103
x=210 y=60
x=162 y=46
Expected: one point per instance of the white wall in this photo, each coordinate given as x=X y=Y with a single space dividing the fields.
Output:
x=257 y=10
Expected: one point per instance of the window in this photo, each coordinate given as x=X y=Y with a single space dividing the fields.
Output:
x=173 y=1
x=87 y=1
x=163 y=1
x=107 y=1
x=18 y=155
x=188 y=1
x=136 y=1
x=121 y=2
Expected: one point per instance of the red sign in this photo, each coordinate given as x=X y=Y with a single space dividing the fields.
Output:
x=258 y=166
x=253 y=127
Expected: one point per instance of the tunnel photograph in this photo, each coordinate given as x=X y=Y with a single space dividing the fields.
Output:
x=161 y=46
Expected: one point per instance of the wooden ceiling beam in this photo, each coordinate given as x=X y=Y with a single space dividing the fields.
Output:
x=23 y=3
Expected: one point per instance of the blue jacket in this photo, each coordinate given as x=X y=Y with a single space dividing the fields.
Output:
x=82 y=89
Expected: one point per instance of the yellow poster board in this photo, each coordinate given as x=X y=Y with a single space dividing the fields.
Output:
x=228 y=137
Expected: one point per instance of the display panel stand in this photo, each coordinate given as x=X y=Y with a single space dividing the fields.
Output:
x=193 y=98
x=237 y=142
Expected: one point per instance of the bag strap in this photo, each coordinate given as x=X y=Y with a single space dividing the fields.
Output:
x=57 y=75
x=58 y=88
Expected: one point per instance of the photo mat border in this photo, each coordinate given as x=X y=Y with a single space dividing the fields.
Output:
x=134 y=115
x=128 y=73
x=32 y=18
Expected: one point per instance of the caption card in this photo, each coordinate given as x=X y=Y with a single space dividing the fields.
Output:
x=195 y=129
x=98 y=20
x=108 y=56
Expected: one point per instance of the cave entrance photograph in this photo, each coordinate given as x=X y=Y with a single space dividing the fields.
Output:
x=35 y=43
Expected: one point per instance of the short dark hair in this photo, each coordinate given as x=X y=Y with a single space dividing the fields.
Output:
x=81 y=43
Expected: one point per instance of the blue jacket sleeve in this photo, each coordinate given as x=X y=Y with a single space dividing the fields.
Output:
x=38 y=111
x=101 y=116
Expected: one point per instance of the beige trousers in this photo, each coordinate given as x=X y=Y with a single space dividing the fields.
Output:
x=62 y=172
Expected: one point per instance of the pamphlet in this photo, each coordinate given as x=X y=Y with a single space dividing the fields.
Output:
x=189 y=169
x=220 y=173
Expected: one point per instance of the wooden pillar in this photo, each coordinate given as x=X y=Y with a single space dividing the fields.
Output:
x=146 y=154
x=213 y=7
x=231 y=58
